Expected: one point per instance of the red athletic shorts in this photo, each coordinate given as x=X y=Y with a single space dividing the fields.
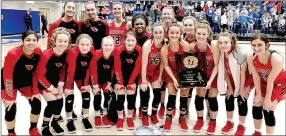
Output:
x=167 y=78
x=249 y=82
x=25 y=91
x=278 y=92
x=150 y=76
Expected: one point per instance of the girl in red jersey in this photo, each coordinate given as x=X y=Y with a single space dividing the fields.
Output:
x=168 y=15
x=67 y=21
x=18 y=74
x=151 y=72
x=93 y=26
x=139 y=23
x=240 y=83
x=130 y=59
x=78 y=60
x=269 y=79
x=51 y=74
x=119 y=26
x=168 y=51
x=189 y=36
x=104 y=65
x=202 y=34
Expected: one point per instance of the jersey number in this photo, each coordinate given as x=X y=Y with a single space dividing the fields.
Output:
x=155 y=61
x=116 y=39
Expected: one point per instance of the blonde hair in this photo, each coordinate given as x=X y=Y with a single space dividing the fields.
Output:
x=86 y=21
x=107 y=38
x=81 y=36
x=190 y=17
x=56 y=32
x=170 y=8
x=204 y=25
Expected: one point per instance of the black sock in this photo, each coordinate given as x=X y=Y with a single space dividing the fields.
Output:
x=33 y=125
x=182 y=115
x=169 y=116
x=154 y=112
x=11 y=130
x=213 y=120
x=45 y=123
x=202 y=118
x=162 y=104
x=54 y=121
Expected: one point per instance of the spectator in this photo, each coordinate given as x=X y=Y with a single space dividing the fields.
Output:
x=224 y=22
x=44 y=23
x=28 y=21
x=137 y=5
x=105 y=12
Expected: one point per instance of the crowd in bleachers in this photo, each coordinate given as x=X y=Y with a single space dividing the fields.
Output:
x=243 y=18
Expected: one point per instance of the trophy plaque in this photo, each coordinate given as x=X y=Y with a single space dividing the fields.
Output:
x=191 y=68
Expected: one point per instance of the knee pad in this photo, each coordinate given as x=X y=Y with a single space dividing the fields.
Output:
x=242 y=106
x=190 y=92
x=85 y=100
x=269 y=118
x=106 y=99
x=171 y=102
x=183 y=104
x=120 y=102
x=157 y=97
x=11 y=114
x=145 y=97
x=59 y=105
x=199 y=103
x=213 y=104
x=131 y=102
x=50 y=108
x=257 y=112
x=97 y=102
x=35 y=106
x=69 y=103
x=163 y=87
x=229 y=103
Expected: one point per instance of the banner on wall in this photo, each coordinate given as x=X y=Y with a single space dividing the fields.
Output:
x=13 y=21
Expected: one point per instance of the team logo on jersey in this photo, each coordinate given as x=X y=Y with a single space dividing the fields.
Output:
x=71 y=31
x=83 y=63
x=29 y=67
x=59 y=64
x=94 y=29
x=130 y=61
x=191 y=62
x=106 y=66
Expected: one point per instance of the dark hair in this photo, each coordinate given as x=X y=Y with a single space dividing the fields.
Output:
x=261 y=37
x=63 y=14
x=27 y=33
x=139 y=16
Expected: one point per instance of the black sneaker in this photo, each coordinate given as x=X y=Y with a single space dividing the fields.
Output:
x=86 y=125
x=74 y=116
x=46 y=131
x=57 y=128
x=61 y=119
x=70 y=126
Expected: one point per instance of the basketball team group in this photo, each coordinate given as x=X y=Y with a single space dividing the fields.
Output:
x=120 y=56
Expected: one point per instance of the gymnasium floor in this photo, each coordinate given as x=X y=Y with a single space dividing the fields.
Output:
x=23 y=108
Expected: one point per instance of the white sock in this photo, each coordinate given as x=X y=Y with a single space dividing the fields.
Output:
x=241 y=123
x=69 y=117
x=230 y=120
x=130 y=116
x=97 y=113
x=120 y=116
x=85 y=116
x=104 y=112
x=258 y=130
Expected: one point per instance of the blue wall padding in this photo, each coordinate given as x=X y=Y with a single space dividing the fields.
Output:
x=13 y=21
